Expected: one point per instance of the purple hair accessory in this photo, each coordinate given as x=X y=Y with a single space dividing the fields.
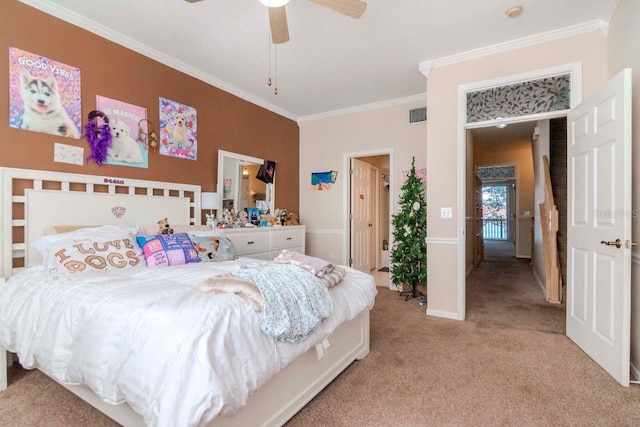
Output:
x=98 y=137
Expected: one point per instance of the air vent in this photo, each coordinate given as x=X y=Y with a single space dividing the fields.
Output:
x=418 y=115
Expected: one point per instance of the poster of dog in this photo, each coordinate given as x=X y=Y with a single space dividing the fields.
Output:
x=127 y=143
x=178 y=130
x=44 y=95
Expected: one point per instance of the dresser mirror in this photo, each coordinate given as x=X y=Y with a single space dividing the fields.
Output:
x=238 y=186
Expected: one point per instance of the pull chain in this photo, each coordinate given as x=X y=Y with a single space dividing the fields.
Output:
x=269 y=51
x=275 y=91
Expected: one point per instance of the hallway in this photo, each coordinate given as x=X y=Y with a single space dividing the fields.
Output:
x=502 y=291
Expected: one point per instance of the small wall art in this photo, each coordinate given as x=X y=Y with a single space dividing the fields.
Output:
x=323 y=180
x=178 y=130
x=63 y=153
x=124 y=120
x=44 y=95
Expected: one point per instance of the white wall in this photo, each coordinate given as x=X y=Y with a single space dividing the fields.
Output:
x=323 y=145
x=624 y=51
x=540 y=147
x=442 y=151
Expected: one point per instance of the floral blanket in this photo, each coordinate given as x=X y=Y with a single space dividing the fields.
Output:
x=295 y=301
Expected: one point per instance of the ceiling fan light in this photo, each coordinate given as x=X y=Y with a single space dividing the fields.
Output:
x=274 y=3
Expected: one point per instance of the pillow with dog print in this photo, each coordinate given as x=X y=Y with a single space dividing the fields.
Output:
x=168 y=249
x=88 y=253
x=214 y=248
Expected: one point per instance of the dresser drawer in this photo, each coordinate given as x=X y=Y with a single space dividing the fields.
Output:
x=249 y=242
x=287 y=238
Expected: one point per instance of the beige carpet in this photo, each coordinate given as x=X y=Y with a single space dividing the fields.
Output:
x=421 y=371
x=502 y=291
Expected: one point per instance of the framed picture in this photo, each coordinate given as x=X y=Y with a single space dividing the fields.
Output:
x=227 y=204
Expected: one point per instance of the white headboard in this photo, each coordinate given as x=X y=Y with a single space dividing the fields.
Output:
x=34 y=200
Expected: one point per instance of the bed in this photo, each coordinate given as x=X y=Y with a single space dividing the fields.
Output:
x=298 y=372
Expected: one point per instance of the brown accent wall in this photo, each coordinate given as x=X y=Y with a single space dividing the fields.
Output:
x=224 y=121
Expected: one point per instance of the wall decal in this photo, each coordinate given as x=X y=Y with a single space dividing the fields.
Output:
x=63 y=153
x=44 y=95
x=123 y=121
x=178 y=130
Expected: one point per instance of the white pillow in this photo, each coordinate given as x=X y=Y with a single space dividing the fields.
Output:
x=211 y=232
x=152 y=230
x=105 y=232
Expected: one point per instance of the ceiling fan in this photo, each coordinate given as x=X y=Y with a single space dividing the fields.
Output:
x=278 y=14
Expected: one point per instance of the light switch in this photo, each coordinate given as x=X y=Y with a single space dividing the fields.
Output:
x=446 y=212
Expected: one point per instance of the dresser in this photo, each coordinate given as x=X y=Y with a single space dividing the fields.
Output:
x=266 y=242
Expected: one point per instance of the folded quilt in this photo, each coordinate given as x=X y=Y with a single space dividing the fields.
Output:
x=225 y=283
x=316 y=266
x=334 y=277
x=295 y=301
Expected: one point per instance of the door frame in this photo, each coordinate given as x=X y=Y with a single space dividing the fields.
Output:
x=346 y=200
x=574 y=69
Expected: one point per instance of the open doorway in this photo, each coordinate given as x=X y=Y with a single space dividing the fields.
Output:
x=369 y=214
x=502 y=288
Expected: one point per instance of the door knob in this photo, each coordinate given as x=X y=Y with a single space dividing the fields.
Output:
x=617 y=243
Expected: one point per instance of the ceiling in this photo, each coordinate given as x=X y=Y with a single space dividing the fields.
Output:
x=332 y=62
x=513 y=132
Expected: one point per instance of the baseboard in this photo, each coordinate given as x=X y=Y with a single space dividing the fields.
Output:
x=635 y=372
x=469 y=270
x=523 y=256
x=540 y=282
x=443 y=314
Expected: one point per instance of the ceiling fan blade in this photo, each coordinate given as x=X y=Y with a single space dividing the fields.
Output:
x=279 y=27
x=352 y=8
x=192 y=1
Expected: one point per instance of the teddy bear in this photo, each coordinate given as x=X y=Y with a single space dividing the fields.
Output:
x=164 y=227
x=292 y=219
x=243 y=218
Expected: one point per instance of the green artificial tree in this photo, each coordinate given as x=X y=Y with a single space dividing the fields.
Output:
x=409 y=252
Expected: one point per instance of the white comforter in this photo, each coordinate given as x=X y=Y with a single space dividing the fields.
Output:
x=150 y=337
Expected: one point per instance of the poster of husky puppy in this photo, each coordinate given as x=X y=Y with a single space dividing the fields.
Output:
x=44 y=95
x=178 y=130
x=127 y=143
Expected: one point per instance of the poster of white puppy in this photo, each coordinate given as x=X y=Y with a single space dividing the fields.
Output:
x=178 y=130
x=127 y=146
x=44 y=95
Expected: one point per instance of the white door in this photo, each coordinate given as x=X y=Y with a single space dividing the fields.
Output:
x=599 y=214
x=361 y=225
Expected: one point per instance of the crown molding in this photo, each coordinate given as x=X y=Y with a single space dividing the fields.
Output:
x=365 y=107
x=64 y=14
x=574 y=30
x=425 y=67
x=609 y=9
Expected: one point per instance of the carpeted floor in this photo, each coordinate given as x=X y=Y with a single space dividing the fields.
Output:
x=421 y=371
x=502 y=291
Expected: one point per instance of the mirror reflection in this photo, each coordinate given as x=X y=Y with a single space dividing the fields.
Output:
x=238 y=185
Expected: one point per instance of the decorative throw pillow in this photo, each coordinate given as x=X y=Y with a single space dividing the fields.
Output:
x=214 y=248
x=168 y=249
x=92 y=254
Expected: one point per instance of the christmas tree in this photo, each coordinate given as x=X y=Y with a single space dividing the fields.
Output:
x=409 y=252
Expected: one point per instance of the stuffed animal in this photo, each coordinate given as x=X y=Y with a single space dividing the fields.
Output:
x=164 y=227
x=281 y=214
x=243 y=218
x=292 y=219
x=211 y=220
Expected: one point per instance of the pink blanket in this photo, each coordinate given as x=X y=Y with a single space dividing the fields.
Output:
x=316 y=266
